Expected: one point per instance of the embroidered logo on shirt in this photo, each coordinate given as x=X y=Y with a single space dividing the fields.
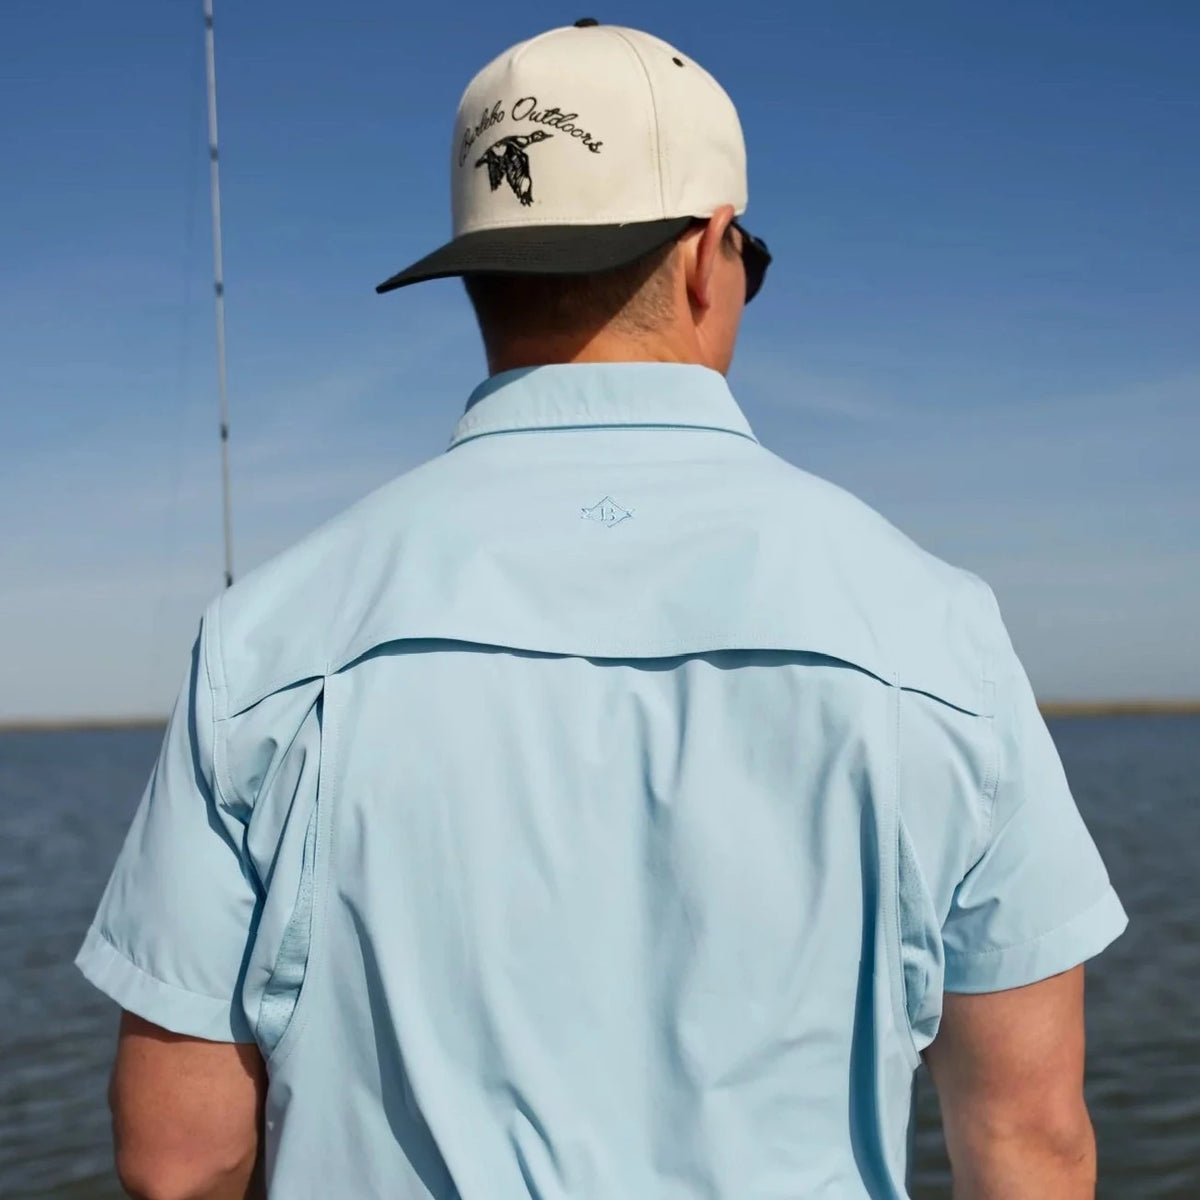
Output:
x=607 y=512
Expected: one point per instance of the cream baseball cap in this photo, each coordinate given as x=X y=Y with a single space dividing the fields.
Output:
x=582 y=149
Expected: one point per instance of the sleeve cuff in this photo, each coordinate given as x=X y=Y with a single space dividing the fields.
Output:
x=165 y=1004
x=1081 y=938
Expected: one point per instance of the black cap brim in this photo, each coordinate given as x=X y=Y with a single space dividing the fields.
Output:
x=542 y=250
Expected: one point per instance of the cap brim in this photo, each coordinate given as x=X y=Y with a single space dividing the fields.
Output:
x=541 y=250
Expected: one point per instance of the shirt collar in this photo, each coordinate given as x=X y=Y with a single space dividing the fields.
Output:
x=600 y=396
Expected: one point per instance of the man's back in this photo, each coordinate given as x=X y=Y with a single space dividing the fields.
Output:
x=617 y=833
x=607 y=808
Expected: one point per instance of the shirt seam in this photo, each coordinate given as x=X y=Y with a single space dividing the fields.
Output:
x=712 y=641
x=219 y=724
x=141 y=971
x=990 y=696
x=1109 y=892
x=896 y=962
x=322 y=857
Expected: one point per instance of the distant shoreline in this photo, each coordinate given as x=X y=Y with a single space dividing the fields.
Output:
x=80 y=724
x=1120 y=708
x=1057 y=709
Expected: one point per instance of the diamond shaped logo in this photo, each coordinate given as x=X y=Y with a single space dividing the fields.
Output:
x=606 y=512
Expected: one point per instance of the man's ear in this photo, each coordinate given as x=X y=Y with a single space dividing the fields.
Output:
x=701 y=257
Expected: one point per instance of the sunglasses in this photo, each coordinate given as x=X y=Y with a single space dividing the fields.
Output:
x=756 y=258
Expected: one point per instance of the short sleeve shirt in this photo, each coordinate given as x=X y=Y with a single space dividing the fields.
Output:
x=603 y=808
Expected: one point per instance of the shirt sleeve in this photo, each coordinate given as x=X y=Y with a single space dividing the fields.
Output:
x=1037 y=900
x=170 y=937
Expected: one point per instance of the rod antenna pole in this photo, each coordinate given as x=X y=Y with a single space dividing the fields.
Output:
x=214 y=171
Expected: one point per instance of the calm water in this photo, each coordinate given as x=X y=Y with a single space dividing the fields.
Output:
x=65 y=799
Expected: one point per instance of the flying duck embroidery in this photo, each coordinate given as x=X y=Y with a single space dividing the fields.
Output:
x=506 y=159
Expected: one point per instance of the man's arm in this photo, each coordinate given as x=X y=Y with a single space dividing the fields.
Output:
x=1009 y=1073
x=186 y=1115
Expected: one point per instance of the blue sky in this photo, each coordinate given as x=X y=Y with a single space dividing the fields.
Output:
x=982 y=317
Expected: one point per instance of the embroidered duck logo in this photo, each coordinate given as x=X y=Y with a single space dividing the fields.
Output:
x=506 y=159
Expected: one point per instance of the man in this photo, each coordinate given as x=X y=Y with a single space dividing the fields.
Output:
x=606 y=809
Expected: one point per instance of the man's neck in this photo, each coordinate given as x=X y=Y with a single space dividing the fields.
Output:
x=600 y=348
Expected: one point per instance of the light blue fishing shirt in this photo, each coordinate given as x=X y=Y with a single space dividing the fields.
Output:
x=597 y=812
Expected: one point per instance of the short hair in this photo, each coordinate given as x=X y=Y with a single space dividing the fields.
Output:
x=635 y=297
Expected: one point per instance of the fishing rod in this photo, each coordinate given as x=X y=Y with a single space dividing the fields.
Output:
x=214 y=172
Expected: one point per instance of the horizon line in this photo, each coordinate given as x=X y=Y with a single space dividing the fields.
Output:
x=1049 y=708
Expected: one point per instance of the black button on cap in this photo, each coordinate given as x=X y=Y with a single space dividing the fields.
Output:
x=586 y=22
